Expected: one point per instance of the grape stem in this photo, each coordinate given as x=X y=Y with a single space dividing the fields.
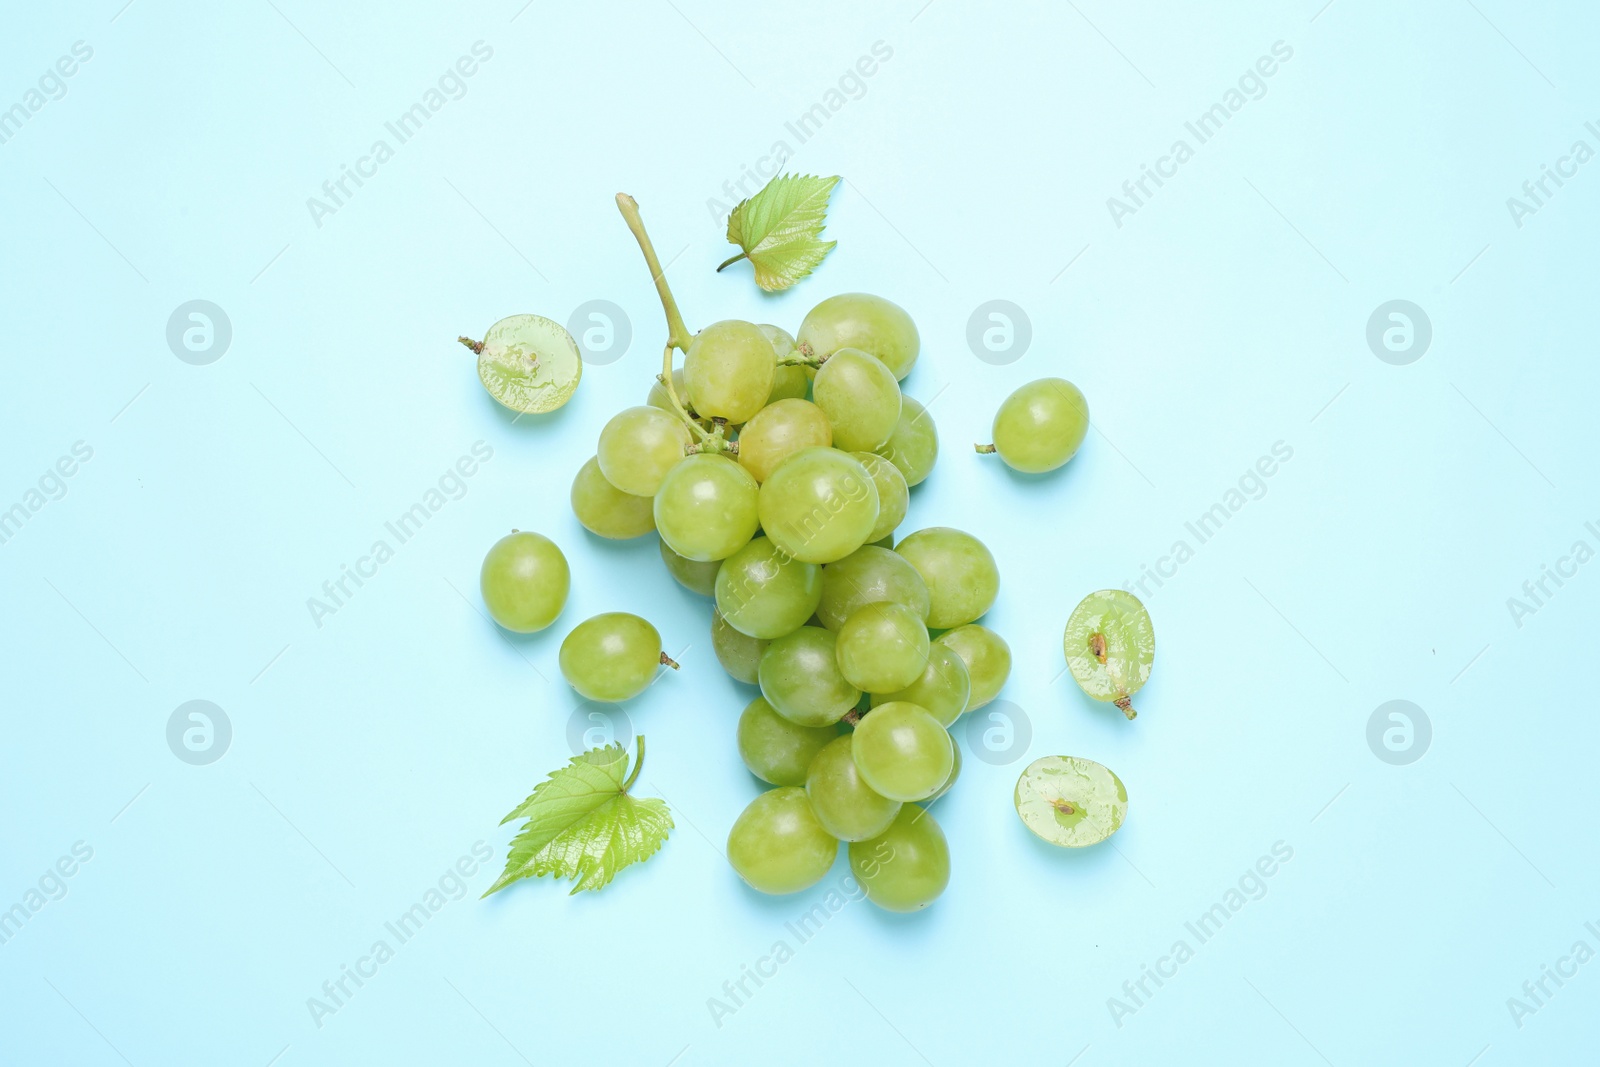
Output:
x=668 y=661
x=852 y=716
x=1126 y=705
x=476 y=346
x=731 y=260
x=983 y=449
x=638 y=762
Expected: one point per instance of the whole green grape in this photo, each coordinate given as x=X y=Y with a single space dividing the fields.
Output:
x=778 y=846
x=860 y=398
x=706 y=507
x=882 y=648
x=942 y=689
x=1110 y=645
x=775 y=749
x=612 y=657
x=1070 y=802
x=902 y=751
x=739 y=654
x=639 y=446
x=893 y=495
x=869 y=575
x=1040 y=426
x=528 y=363
x=987 y=656
x=697 y=576
x=913 y=447
x=659 y=398
x=862 y=321
x=906 y=867
x=818 y=505
x=524 y=581
x=765 y=593
x=955 y=772
x=729 y=370
x=799 y=676
x=778 y=431
x=605 y=510
x=847 y=806
x=962 y=578
x=788 y=382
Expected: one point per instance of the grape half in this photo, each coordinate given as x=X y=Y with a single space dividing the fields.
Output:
x=1070 y=802
x=706 y=507
x=818 y=505
x=902 y=751
x=906 y=867
x=729 y=370
x=778 y=846
x=1040 y=426
x=765 y=593
x=1110 y=645
x=870 y=323
x=605 y=510
x=987 y=656
x=528 y=363
x=612 y=657
x=524 y=581
x=962 y=578
x=777 y=750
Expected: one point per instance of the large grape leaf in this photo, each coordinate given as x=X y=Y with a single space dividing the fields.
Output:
x=779 y=229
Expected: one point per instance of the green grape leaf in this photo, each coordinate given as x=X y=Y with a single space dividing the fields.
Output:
x=583 y=824
x=780 y=229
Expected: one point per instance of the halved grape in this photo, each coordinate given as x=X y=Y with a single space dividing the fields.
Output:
x=906 y=867
x=778 y=431
x=612 y=657
x=695 y=575
x=860 y=398
x=763 y=592
x=706 y=507
x=893 y=496
x=882 y=648
x=987 y=656
x=1069 y=801
x=729 y=370
x=777 y=750
x=847 y=806
x=739 y=654
x=1040 y=426
x=639 y=446
x=962 y=578
x=818 y=505
x=860 y=320
x=528 y=363
x=788 y=382
x=605 y=510
x=524 y=581
x=869 y=575
x=902 y=751
x=778 y=846
x=942 y=689
x=913 y=447
x=799 y=676
x=1110 y=645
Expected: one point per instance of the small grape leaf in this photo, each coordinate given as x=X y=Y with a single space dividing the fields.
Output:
x=583 y=824
x=779 y=229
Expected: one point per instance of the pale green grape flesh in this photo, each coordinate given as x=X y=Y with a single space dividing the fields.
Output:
x=1070 y=802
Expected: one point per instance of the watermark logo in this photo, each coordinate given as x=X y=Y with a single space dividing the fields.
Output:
x=199 y=332
x=602 y=330
x=1399 y=732
x=199 y=732
x=999 y=332
x=595 y=725
x=1399 y=332
x=998 y=733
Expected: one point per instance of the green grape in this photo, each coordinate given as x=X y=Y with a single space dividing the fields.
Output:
x=777 y=750
x=869 y=323
x=524 y=581
x=893 y=496
x=778 y=431
x=788 y=382
x=860 y=397
x=1069 y=801
x=1040 y=426
x=778 y=846
x=942 y=689
x=729 y=370
x=739 y=654
x=886 y=541
x=869 y=575
x=605 y=510
x=764 y=593
x=818 y=505
x=799 y=676
x=1110 y=646
x=706 y=507
x=847 y=807
x=660 y=398
x=697 y=576
x=902 y=751
x=612 y=657
x=987 y=656
x=955 y=772
x=639 y=446
x=528 y=363
x=961 y=575
x=882 y=648
x=906 y=867
x=913 y=447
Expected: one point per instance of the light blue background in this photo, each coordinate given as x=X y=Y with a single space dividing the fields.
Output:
x=1227 y=314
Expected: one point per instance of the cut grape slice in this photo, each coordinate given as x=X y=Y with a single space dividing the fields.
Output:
x=1110 y=645
x=1070 y=802
x=529 y=363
